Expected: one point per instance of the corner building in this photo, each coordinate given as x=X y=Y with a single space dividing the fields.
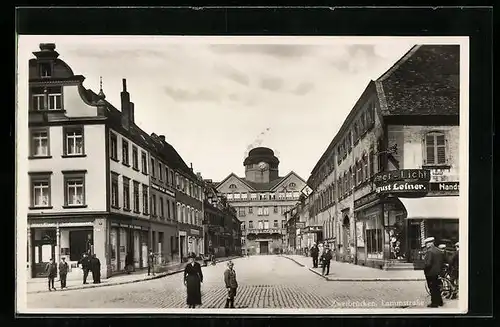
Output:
x=98 y=182
x=261 y=200
x=401 y=135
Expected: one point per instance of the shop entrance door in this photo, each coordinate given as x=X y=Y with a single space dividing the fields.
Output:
x=264 y=247
x=414 y=241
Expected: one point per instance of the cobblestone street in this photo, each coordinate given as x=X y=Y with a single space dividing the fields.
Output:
x=265 y=282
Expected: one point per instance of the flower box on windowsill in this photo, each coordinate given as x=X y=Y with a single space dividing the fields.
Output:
x=73 y=155
x=39 y=157
x=40 y=208
x=77 y=206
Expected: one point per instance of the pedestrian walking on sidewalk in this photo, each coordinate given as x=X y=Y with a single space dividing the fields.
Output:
x=63 y=272
x=231 y=284
x=51 y=270
x=85 y=262
x=433 y=266
x=314 y=255
x=326 y=257
x=95 y=265
x=151 y=263
x=193 y=277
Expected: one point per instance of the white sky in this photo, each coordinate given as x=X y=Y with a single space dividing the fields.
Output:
x=214 y=97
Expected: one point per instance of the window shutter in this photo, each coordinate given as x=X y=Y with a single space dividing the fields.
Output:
x=441 y=149
x=429 y=145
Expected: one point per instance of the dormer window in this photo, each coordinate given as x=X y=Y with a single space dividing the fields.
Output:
x=45 y=70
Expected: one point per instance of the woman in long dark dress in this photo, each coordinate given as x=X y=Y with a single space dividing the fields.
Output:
x=193 y=278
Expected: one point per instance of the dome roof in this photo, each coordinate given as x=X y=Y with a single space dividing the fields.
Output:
x=259 y=154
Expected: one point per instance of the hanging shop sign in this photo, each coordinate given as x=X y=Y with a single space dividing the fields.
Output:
x=418 y=175
x=403 y=187
x=452 y=187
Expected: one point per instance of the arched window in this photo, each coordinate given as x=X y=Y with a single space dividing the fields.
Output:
x=292 y=185
x=435 y=148
x=232 y=186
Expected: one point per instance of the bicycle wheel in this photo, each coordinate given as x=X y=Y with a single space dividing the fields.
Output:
x=446 y=288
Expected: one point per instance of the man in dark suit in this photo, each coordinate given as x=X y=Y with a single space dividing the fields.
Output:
x=85 y=262
x=433 y=267
x=314 y=255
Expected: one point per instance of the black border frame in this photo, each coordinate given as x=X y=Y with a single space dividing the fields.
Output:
x=477 y=23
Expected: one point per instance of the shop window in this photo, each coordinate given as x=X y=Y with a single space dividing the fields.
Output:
x=374 y=243
x=80 y=241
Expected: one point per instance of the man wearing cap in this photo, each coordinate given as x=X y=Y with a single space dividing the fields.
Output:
x=315 y=254
x=433 y=265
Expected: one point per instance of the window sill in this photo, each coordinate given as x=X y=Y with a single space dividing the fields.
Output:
x=135 y=168
x=114 y=159
x=75 y=206
x=145 y=173
x=115 y=207
x=137 y=212
x=44 y=111
x=40 y=208
x=73 y=155
x=126 y=209
x=125 y=164
x=443 y=166
x=39 y=157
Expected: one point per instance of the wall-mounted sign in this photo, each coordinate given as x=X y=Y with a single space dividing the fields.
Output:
x=162 y=189
x=195 y=232
x=366 y=199
x=421 y=175
x=444 y=187
x=403 y=187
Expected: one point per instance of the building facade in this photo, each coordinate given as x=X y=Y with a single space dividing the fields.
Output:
x=261 y=199
x=378 y=188
x=98 y=183
x=189 y=201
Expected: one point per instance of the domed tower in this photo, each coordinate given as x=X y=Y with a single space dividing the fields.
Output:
x=261 y=165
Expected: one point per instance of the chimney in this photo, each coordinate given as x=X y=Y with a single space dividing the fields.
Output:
x=125 y=96
x=191 y=164
x=131 y=113
x=162 y=137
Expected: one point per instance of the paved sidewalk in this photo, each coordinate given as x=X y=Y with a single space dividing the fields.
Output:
x=342 y=271
x=39 y=285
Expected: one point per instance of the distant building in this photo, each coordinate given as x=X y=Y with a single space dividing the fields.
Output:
x=261 y=199
x=389 y=178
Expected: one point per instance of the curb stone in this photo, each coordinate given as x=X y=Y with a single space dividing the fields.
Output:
x=173 y=272
x=360 y=279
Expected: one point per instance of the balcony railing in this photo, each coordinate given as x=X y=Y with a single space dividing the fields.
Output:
x=265 y=231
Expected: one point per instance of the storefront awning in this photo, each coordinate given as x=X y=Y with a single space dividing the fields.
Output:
x=439 y=207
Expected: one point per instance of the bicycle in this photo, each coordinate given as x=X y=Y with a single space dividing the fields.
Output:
x=447 y=287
